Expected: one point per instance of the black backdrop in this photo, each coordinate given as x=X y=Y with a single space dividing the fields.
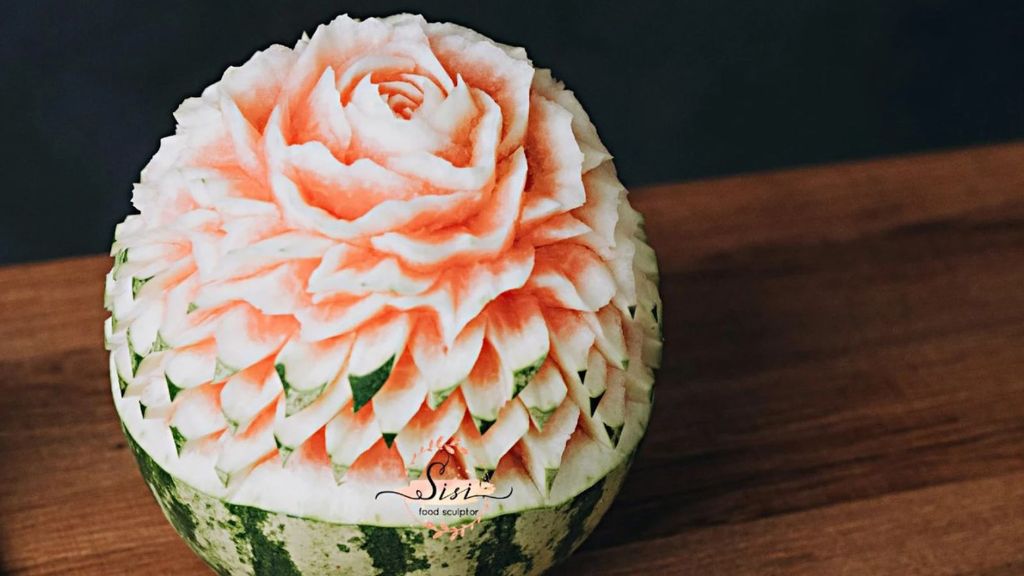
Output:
x=679 y=90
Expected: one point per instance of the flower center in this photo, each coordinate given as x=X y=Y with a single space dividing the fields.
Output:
x=402 y=94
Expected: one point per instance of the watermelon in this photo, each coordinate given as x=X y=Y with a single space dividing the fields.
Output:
x=395 y=255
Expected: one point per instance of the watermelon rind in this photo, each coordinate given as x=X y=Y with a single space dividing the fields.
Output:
x=365 y=386
x=236 y=539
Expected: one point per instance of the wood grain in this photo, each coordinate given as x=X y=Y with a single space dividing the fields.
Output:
x=843 y=389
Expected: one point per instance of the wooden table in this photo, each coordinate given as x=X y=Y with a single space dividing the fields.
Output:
x=843 y=389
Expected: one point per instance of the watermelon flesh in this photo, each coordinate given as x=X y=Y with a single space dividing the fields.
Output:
x=393 y=243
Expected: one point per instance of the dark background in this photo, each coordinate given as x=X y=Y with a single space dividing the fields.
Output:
x=678 y=90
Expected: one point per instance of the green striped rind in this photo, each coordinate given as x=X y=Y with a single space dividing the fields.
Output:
x=365 y=386
x=437 y=397
x=521 y=378
x=295 y=399
x=236 y=540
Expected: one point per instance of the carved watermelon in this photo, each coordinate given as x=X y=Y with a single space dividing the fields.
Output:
x=395 y=235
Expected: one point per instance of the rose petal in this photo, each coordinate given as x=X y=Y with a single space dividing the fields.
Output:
x=488 y=234
x=385 y=216
x=346 y=269
x=571 y=276
x=242 y=231
x=555 y=162
x=410 y=40
x=594 y=152
x=334 y=45
x=255 y=85
x=445 y=367
x=346 y=191
x=400 y=398
x=359 y=70
x=441 y=173
x=323 y=120
x=388 y=215
x=380 y=133
x=281 y=248
x=469 y=289
x=244 y=336
x=402 y=87
x=276 y=290
x=338 y=316
x=339 y=44
x=556 y=229
x=504 y=75
x=430 y=93
x=604 y=194
x=454 y=111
